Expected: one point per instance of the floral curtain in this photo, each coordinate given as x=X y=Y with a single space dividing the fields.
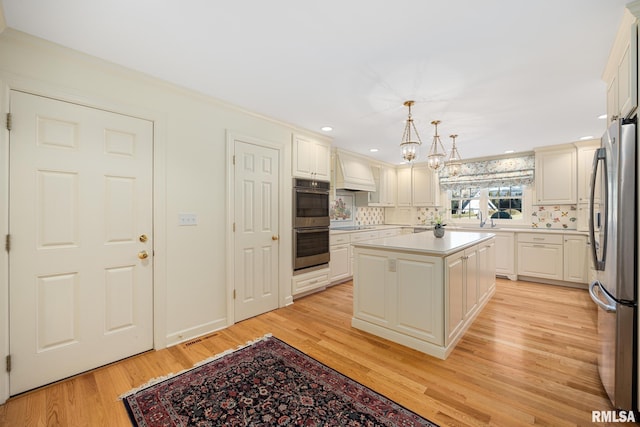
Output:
x=491 y=173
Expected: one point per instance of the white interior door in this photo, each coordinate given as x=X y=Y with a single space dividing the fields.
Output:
x=80 y=213
x=256 y=238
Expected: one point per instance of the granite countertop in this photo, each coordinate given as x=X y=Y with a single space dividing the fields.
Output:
x=427 y=243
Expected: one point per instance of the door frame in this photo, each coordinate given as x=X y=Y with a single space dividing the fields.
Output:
x=284 y=223
x=9 y=82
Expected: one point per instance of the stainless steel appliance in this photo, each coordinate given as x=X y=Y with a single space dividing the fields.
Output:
x=310 y=224
x=614 y=254
x=310 y=203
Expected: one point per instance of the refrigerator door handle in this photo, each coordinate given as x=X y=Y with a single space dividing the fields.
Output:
x=600 y=155
x=609 y=306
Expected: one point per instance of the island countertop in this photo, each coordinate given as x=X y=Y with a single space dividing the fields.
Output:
x=426 y=243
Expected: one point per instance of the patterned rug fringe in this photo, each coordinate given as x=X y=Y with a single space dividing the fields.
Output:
x=157 y=380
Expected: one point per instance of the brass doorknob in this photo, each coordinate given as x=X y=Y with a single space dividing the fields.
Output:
x=143 y=255
x=143 y=238
x=274 y=237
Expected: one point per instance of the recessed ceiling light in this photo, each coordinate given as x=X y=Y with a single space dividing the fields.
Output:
x=509 y=151
x=326 y=128
x=373 y=150
x=602 y=116
x=584 y=138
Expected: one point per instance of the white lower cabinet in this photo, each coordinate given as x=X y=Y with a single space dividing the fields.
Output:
x=463 y=279
x=505 y=251
x=422 y=300
x=310 y=281
x=486 y=266
x=403 y=293
x=576 y=259
x=340 y=263
x=540 y=255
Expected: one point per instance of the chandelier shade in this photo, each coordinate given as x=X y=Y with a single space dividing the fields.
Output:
x=410 y=144
x=454 y=164
x=437 y=152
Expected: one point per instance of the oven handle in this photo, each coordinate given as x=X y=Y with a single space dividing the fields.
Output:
x=311 y=230
x=310 y=190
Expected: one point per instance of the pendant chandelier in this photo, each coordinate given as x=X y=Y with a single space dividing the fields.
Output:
x=454 y=164
x=409 y=145
x=437 y=152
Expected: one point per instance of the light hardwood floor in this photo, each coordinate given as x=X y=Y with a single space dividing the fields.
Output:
x=529 y=358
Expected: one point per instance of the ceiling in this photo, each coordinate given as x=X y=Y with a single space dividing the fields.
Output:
x=502 y=74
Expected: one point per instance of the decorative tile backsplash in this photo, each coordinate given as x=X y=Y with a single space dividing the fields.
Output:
x=369 y=216
x=563 y=217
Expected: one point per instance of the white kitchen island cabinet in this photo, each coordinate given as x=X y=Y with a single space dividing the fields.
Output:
x=420 y=291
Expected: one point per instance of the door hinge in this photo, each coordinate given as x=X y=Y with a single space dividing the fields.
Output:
x=7 y=242
x=9 y=121
x=234 y=294
x=233 y=160
x=234 y=227
x=8 y=363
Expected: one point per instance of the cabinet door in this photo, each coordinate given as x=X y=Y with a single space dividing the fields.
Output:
x=486 y=268
x=322 y=165
x=376 y=198
x=418 y=308
x=371 y=300
x=505 y=250
x=556 y=176
x=628 y=76
x=339 y=264
x=454 y=301
x=540 y=260
x=311 y=158
x=388 y=182
x=424 y=186
x=404 y=186
x=471 y=280
x=585 y=168
x=612 y=100
x=576 y=261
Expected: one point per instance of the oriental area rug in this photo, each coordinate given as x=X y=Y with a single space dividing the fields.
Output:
x=265 y=383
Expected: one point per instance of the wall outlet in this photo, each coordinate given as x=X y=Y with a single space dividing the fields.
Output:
x=187 y=219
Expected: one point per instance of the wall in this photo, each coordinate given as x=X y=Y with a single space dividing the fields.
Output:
x=190 y=174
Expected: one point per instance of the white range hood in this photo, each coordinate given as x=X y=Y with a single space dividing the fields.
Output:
x=353 y=173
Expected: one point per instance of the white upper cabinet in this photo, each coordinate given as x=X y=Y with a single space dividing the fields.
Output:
x=556 y=176
x=403 y=193
x=386 y=182
x=417 y=186
x=621 y=72
x=311 y=158
x=586 y=151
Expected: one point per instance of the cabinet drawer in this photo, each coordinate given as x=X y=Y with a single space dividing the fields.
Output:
x=339 y=239
x=309 y=281
x=389 y=233
x=364 y=235
x=552 y=239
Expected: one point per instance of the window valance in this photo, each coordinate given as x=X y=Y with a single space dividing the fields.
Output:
x=491 y=173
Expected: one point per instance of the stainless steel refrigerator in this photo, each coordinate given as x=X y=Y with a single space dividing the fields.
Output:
x=614 y=241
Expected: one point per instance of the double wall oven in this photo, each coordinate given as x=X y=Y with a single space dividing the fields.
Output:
x=310 y=224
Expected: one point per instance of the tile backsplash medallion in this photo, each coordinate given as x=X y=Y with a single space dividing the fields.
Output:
x=369 y=216
x=559 y=217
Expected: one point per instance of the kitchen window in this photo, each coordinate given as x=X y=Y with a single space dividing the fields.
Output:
x=500 y=203
x=498 y=188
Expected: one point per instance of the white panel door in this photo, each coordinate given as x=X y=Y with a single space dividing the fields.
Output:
x=80 y=202
x=256 y=238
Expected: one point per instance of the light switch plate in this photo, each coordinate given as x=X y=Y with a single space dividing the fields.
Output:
x=187 y=219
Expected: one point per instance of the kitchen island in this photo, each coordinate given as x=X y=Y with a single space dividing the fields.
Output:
x=421 y=291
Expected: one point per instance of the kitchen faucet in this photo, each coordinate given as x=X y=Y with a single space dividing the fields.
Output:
x=482 y=223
